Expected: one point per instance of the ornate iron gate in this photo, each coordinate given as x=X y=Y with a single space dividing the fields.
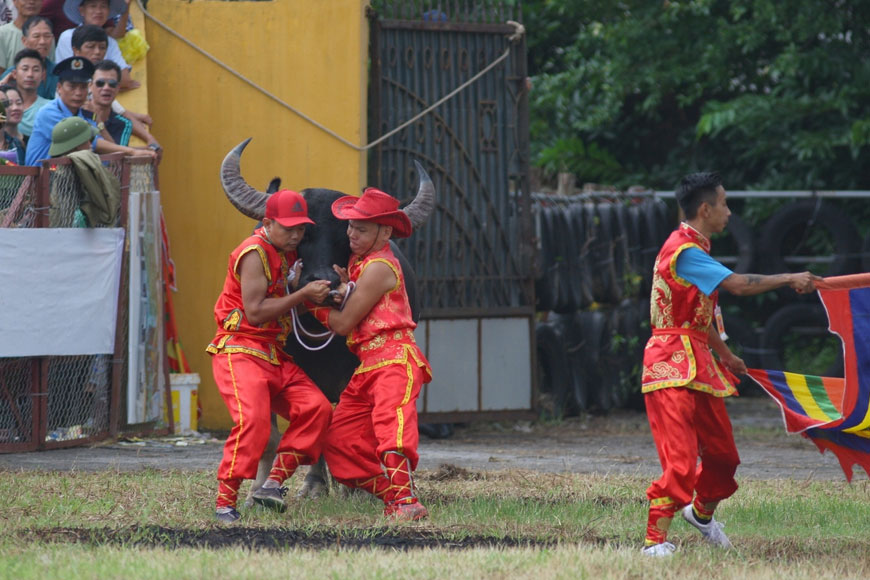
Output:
x=474 y=259
x=475 y=256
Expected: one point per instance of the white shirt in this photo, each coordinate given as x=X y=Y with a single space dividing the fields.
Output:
x=64 y=49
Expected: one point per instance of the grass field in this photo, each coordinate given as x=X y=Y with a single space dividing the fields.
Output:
x=511 y=524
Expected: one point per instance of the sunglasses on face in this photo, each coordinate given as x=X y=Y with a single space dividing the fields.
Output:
x=103 y=82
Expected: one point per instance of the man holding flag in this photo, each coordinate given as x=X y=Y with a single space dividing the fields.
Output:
x=684 y=385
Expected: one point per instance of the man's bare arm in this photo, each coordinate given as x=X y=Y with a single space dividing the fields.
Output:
x=376 y=280
x=127 y=81
x=103 y=146
x=750 y=284
x=258 y=307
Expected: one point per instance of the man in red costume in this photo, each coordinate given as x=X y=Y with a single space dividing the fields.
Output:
x=372 y=441
x=684 y=385
x=253 y=374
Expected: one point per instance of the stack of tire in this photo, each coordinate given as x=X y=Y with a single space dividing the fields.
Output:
x=596 y=260
x=595 y=269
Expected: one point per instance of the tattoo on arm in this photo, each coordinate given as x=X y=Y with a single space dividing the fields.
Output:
x=753 y=279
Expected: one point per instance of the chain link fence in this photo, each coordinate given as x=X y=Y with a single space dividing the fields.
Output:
x=59 y=401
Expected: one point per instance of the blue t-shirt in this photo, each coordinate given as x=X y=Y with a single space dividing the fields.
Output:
x=700 y=269
x=47 y=117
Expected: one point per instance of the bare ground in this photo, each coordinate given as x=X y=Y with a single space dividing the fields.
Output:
x=619 y=443
x=400 y=538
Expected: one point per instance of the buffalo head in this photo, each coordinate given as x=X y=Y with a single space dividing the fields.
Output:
x=326 y=243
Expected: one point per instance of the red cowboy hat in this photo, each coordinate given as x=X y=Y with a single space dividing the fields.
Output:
x=374 y=206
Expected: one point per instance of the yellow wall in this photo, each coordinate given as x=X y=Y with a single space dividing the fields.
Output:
x=310 y=53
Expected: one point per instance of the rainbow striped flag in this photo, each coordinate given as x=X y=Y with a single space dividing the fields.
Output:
x=834 y=413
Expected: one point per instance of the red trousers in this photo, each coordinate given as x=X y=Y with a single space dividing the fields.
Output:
x=376 y=413
x=686 y=425
x=252 y=389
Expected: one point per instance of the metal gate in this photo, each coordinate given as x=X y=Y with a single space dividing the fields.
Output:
x=474 y=259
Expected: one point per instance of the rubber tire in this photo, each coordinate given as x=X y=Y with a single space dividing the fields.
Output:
x=595 y=327
x=613 y=266
x=780 y=325
x=573 y=343
x=583 y=274
x=635 y=245
x=563 y=239
x=548 y=289
x=598 y=251
x=659 y=223
x=742 y=240
x=844 y=236
x=621 y=258
x=552 y=370
x=576 y=267
x=629 y=354
x=543 y=297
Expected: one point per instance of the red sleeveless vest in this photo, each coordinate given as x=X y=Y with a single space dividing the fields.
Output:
x=235 y=333
x=386 y=334
x=677 y=354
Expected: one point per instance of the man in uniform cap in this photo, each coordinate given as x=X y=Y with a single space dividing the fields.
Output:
x=73 y=75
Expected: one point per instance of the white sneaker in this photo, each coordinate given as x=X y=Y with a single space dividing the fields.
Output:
x=663 y=550
x=712 y=531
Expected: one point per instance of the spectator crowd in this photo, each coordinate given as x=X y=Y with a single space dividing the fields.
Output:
x=61 y=59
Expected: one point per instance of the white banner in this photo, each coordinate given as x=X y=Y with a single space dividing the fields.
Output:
x=146 y=357
x=59 y=290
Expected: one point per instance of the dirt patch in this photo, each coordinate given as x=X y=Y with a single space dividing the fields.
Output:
x=277 y=538
x=450 y=472
x=619 y=443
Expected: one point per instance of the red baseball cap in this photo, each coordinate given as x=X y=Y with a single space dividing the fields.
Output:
x=288 y=208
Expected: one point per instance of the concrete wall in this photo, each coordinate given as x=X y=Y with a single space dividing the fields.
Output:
x=310 y=53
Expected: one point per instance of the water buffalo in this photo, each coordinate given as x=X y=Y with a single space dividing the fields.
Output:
x=324 y=244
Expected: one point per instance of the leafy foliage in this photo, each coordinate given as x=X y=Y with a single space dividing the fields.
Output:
x=773 y=94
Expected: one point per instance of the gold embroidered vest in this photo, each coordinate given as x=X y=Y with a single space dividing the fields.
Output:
x=386 y=334
x=235 y=333
x=677 y=354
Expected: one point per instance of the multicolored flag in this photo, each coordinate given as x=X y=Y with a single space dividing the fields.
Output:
x=834 y=413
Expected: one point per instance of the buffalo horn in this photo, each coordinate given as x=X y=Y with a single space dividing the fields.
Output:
x=419 y=210
x=245 y=198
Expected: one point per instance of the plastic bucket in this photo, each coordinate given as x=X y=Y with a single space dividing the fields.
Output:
x=184 y=392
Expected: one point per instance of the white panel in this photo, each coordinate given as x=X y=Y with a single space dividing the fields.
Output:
x=452 y=352
x=420 y=337
x=59 y=290
x=146 y=395
x=506 y=364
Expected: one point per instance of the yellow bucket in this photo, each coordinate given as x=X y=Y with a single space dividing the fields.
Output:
x=184 y=392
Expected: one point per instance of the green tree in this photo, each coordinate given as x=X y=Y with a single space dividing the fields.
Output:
x=775 y=95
